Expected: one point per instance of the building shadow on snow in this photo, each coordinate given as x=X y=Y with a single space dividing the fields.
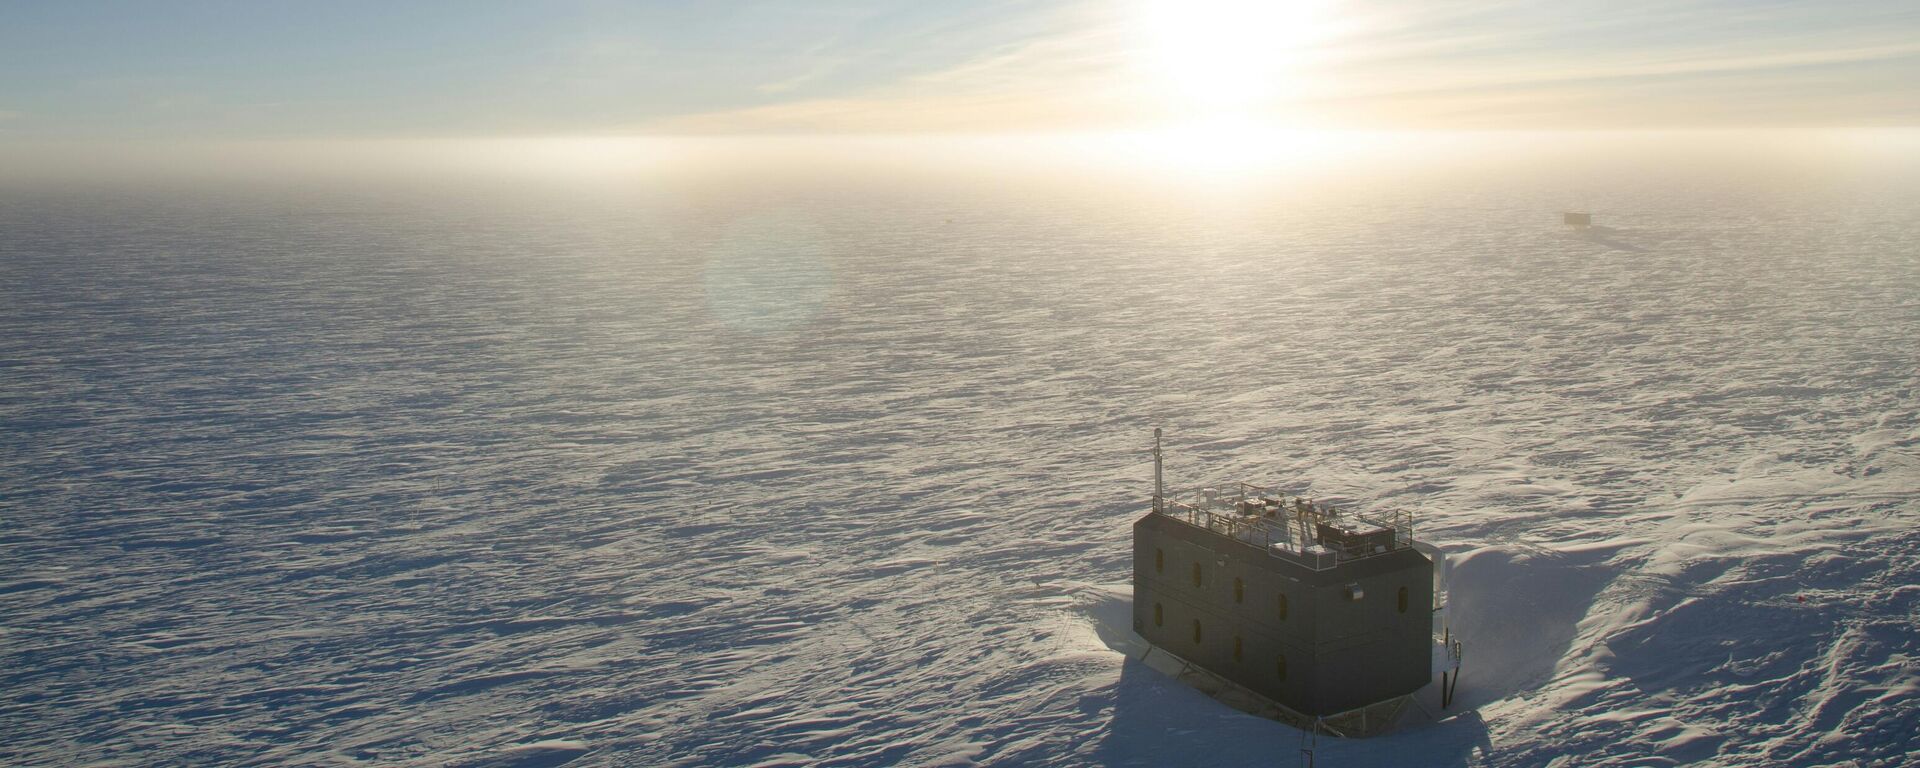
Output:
x=1517 y=613
x=1158 y=721
x=1609 y=237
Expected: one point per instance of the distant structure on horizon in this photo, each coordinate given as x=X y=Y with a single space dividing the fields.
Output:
x=1577 y=219
x=1327 y=618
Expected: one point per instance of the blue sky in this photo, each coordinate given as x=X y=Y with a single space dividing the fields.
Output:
x=267 y=69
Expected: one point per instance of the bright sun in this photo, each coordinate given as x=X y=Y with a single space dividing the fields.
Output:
x=1229 y=58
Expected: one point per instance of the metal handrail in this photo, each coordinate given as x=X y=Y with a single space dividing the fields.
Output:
x=1278 y=538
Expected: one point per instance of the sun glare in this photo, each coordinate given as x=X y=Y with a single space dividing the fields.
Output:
x=1211 y=58
x=1230 y=77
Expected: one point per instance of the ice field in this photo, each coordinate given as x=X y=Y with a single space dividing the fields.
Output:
x=838 y=467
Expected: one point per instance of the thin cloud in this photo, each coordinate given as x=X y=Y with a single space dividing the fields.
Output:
x=1471 y=64
x=1393 y=82
x=1066 y=81
x=1035 y=65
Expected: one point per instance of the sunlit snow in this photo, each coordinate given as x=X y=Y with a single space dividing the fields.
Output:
x=839 y=470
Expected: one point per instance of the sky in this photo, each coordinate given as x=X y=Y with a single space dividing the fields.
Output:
x=265 y=69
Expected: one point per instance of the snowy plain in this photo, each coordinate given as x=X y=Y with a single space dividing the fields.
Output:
x=837 y=467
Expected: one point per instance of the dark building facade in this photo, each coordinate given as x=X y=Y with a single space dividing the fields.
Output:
x=1321 y=611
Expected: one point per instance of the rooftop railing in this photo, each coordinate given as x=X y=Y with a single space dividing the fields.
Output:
x=1261 y=516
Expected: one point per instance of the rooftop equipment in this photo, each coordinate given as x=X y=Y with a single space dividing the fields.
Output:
x=1331 y=618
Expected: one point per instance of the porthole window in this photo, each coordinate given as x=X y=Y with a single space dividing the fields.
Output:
x=1283 y=607
x=1158 y=615
x=1239 y=590
x=1196 y=574
x=1196 y=630
x=1159 y=560
x=1403 y=599
x=1281 y=666
x=1236 y=647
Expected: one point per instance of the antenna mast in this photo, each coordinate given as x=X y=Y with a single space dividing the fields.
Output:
x=1159 y=490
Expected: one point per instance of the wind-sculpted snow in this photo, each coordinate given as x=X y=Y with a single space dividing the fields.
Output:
x=556 y=475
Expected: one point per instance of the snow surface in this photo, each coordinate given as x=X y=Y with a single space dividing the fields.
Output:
x=841 y=471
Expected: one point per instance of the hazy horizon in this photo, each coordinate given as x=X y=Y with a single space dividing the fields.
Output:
x=1185 y=157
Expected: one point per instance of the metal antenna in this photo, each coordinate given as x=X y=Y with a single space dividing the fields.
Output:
x=1159 y=489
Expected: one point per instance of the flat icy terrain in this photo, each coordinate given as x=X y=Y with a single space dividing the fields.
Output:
x=839 y=469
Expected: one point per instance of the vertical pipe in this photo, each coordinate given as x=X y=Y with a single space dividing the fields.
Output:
x=1159 y=489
